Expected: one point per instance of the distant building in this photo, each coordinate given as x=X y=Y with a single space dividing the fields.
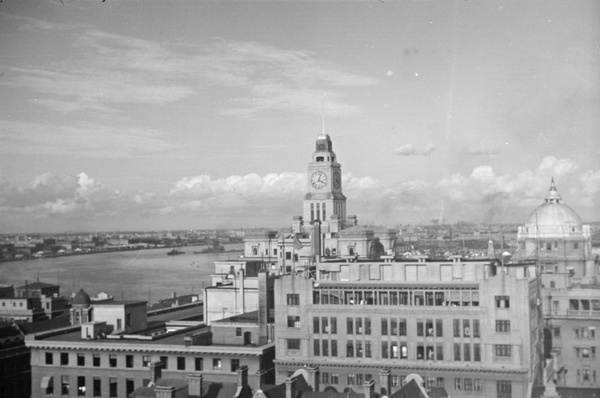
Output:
x=470 y=327
x=555 y=236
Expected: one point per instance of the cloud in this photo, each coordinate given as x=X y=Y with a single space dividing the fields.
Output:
x=109 y=70
x=84 y=139
x=411 y=150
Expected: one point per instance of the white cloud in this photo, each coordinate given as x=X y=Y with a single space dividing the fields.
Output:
x=411 y=150
x=111 y=69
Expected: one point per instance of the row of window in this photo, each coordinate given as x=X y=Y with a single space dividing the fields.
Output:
x=455 y=298
x=181 y=362
x=503 y=387
x=585 y=352
x=398 y=326
x=586 y=374
x=466 y=352
x=63 y=386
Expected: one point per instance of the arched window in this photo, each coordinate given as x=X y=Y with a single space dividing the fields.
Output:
x=255 y=251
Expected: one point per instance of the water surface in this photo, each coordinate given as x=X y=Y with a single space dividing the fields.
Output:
x=148 y=275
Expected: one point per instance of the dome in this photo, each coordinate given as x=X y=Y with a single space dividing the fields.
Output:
x=553 y=213
x=82 y=299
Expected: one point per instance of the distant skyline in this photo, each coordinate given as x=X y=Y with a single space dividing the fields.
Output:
x=157 y=115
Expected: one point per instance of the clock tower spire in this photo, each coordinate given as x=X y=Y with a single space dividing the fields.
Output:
x=324 y=197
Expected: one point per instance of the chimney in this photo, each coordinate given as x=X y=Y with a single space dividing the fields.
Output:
x=174 y=295
x=263 y=307
x=297 y=224
x=290 y=387
x=164 y=391
x=242 y=376
x=369 y=388
x=242 y=383
x=155 y=371
x=195 y=385
x=385 y=381
x=313 y=377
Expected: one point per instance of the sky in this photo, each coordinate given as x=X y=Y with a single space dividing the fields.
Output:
x=153 y=115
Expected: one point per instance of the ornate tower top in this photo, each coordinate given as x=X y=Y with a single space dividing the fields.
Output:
x=553 y=196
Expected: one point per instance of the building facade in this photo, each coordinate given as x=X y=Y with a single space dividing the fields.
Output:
x=472 y=328
x=555 y=236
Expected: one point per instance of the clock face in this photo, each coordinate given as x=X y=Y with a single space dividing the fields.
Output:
x=337 y=179
x=318 y=179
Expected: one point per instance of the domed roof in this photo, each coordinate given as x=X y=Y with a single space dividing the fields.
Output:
x=81 y=299
x=553 y=213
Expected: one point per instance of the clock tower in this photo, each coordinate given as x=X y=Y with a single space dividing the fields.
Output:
x=324 y=196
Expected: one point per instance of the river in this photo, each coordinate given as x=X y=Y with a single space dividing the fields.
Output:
x=148 y=275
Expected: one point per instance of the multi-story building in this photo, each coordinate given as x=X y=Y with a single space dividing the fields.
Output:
x=113 y=349
x=555 y=236
x=471 y=327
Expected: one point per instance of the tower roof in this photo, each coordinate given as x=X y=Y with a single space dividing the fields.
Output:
x=82 y=299
x=553 y=213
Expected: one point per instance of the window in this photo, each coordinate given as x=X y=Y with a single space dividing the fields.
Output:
x=502 y=302
x=129 y=361
x=325 y=378
x=293 y=299
x=293 y=321
x=504 y=389
x=351 y=379
x=466 y=328
x=349 y=323
x=384 y=326
x=477 y=385
x=325 y=348
x=316 y=324
x=80 y=359
x=180 y=363
x=503 y=350
x=334 y=348
x=317 y=347
x=235 y=364
x=456 y=327
x=97 y=385
x=96 y=360
x=49 y=388
x=368 y=349
x=146 y=361
x=502 y=326
x=367 y=326
x=129 y=386
x=458 y=384
x=198 y=365
x=49 y=358
x=64 y=358
x=556 y=331
x=402 y=327
x=476 y=330
x=586 y=373
x=457 y=351
x=439 y=350
x=293 y=344
x=403 y=351
x=394 y=351
x=419 y=327
x=165 y=362
x=335 y=378
x=476 y=352
x=359 y=349
x=112 y=387
x=468 y=384
x=349 y=348
x=238 y=332
x=467 y=352
x=64 y=385
x=439 y=328
x=112 y=360
x=359 y=329
x=333 y=325
x=80 y=385
x=384 y=350
x=217 y=363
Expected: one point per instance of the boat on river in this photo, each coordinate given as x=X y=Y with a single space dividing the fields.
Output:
x=174 y=252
